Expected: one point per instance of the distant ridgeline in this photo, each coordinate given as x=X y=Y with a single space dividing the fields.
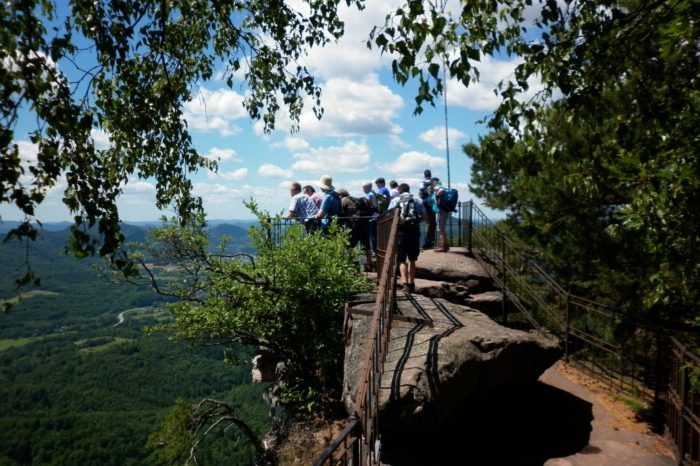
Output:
x=72 y=296
x=82 y=383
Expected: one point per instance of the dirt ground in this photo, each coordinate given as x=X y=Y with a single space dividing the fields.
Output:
x=307 y=441
x=617 y=436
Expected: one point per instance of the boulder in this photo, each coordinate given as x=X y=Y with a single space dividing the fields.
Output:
x=454 y=267
x=488 y=302
x=264 y=366
x=440 y=356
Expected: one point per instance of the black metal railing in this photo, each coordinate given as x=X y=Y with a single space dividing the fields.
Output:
x=359 y=233
x=683 y=414
x=630 y=356
x=359 y=442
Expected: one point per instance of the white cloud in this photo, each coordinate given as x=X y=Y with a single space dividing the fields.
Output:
x=351 y=157
x=292 y=144
x=349 y=57
x=28 y=151
x=412 y=162
x=217 y=193
x=398 y=143
x=269 y=170
x=100 y=138
x=436 y=137
x=218 y=124
x=137 y=187
x=353 y=108
x=222 y=155
x=235 y=175
x=481 y=96
x=215 y=111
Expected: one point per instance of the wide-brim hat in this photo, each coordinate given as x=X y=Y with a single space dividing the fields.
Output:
x=326 y=182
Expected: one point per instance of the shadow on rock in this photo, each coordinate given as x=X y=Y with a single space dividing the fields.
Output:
x=518 y=426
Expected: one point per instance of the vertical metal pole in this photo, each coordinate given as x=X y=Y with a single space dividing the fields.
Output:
x=447 y=134
x=683 y=392
x=504 y=319
x=459 y=223
x=567 y=328
x=658 y=385
x=469 y=226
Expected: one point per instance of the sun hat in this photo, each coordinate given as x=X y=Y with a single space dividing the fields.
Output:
x=326 y=182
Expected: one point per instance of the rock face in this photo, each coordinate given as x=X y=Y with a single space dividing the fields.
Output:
x=454 y=267
x=458 y=278
x=440 y=356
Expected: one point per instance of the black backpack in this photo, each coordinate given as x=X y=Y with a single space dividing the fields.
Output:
x=363 y=206
x=407 y=207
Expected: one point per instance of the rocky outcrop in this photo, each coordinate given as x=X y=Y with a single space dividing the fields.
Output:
x=454 y=267
x=440 y=356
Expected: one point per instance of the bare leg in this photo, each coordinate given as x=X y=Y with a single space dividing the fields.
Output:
x=443 y=240
x=411 y=271
x=404 y=273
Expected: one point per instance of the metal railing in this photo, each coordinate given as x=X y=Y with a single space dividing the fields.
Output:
x=616 y=348
x=683 y=413
x=359 y=233
x=277 y=228
x=359 y=442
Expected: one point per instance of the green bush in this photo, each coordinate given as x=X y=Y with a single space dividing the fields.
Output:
x=287 y=301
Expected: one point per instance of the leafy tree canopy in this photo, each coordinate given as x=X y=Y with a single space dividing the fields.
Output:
x=600 y=168
x=144 y=60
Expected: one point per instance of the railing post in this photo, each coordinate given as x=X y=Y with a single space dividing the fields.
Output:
x=459 y=223
x=683 y=395
x=469 y=226
x=567 y=327
x=504 y=291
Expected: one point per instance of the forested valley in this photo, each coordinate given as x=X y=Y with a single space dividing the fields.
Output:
x=83 y=381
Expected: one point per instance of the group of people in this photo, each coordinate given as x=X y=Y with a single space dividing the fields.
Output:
x=359 y=214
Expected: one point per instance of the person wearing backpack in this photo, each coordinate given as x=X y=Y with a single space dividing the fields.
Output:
x=410 y=217
x=430 y=219
x=441 y=201
x=383 y=196
x=302 y=207
x=372 y=228
x=330 y=205
x=348 y=209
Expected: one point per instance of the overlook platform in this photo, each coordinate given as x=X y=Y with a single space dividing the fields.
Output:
x=564 y=419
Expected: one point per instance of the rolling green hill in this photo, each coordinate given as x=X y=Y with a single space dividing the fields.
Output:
x=79 y=386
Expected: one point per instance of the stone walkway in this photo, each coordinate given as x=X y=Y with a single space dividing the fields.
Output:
x=610 y=443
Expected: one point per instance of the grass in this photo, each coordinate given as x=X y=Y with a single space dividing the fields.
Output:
x=643 y=412
x=27 y=295
x=99 y=344
x=14 y=342
x=636 y=406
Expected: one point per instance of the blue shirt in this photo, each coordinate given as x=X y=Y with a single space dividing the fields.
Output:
x=330 y=205
x=373 y=199
x=384 y=191
x=433 y=201
x=302 y=206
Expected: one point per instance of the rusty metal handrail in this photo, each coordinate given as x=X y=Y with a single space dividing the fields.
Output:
x=358 y=444
x=633 y=363
x=584 y=326
x=683 y=408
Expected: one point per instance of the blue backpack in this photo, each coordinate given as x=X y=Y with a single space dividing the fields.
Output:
x=446 y=199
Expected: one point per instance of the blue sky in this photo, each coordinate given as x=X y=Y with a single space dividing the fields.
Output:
x=368 y=130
